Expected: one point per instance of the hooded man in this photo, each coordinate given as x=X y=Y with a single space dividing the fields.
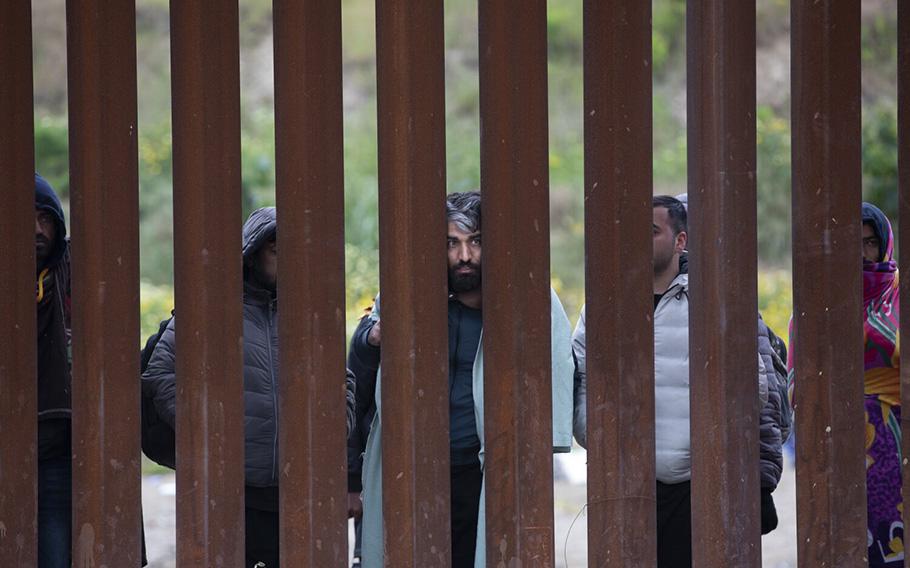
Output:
x=260 y=375
x=52 y=294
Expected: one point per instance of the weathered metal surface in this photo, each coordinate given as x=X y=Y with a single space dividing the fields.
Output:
x=310 y=199
x=207 y=244
x=723 y=293
x=622 y=525
x=412 y=276
x=903 y=236
x=104 y=185
x=18 y=367
x=518 y=462
x=827 y=284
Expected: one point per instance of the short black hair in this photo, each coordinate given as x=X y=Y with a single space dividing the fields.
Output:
x=676 y=211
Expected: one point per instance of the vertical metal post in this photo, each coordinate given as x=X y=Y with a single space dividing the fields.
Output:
x=622 y=523
x=207 y=245
x=18 y=363
x=518 y=461
x=903 y=238
x=101 y=47
x=412 y=276
x=827 y=284
x=723 y=290
x=310 y=198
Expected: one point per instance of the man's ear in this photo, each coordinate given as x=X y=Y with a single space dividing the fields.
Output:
x=682 y=241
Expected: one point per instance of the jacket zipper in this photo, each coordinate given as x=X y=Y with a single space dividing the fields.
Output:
x=274 y=392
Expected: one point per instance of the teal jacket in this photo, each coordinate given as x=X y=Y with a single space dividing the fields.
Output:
x=563 y=370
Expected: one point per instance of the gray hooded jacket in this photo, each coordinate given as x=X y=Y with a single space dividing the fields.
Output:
x=260 y=366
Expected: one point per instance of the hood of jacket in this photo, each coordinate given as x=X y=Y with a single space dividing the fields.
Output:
x=46 y=199
x=258 y=229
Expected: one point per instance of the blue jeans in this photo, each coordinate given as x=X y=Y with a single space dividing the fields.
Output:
x=54 y=512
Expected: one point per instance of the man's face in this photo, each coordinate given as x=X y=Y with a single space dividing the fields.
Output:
x=872 y=251
x=464 y=259
x=45 y=234
x=265 y=265
x=667 y=244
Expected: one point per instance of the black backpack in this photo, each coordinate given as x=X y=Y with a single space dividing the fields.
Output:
x=158 y=438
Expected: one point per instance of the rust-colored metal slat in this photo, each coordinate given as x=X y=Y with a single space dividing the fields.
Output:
x=518 y=461
x=903 y=159
x=622 y=523
x=310 y=199
x=18 y=363
x=723 y=292
x=104 y=181
x=207 y=245
x=827 y=284
x=412 y=276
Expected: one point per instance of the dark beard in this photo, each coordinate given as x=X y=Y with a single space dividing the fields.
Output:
x=260 y=279
x=459 y=283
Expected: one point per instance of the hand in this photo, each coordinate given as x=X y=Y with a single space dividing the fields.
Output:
x=373 y=338
x=768 y=512
x=355 y=505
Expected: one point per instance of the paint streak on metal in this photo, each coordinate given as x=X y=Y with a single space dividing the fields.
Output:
x=622 y=523
x=18 y=397
x=828 y=341
x=207 y=244
x=518 y=464
x=723 y=293
x=104 y=185
x=412 y=276
x=310 y=199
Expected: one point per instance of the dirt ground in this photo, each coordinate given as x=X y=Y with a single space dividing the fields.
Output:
x=778 y=548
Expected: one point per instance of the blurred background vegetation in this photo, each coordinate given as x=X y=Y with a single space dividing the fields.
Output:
x=462 y=131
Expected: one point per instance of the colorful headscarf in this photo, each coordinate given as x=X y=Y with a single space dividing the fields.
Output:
x=881 y=312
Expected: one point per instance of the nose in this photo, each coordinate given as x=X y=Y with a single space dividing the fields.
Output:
x=464 y=254
x=38 y=229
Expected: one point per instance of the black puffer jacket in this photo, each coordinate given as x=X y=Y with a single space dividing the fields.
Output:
x=260 y=367
x=54 y=335
x=774 y=426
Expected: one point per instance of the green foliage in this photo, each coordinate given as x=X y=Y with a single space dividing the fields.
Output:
x=566 y=158
x=668 y=41
x=773 y=187
x=52 y=153
x=155 y=304
x=775 y=300
x=880 y=180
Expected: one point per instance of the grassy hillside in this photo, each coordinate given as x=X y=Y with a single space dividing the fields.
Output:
x=462 y=131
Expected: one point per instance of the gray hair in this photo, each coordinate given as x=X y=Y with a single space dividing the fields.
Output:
x=463 y=209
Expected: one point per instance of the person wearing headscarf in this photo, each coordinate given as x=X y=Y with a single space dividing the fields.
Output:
x=881 y=309
x=882 y=399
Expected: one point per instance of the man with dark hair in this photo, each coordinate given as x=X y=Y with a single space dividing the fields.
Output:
x=260 y=374
x=776 y=415
x=671 y=384
x=54 y=380
x=466 y=442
